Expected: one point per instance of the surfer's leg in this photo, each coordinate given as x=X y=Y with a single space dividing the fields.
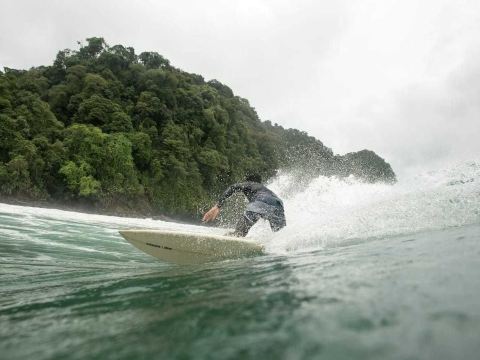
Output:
x=277 y=220
x=244 y=224
x=276 y=225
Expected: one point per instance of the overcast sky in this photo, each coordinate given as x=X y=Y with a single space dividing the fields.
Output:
x=400 y=77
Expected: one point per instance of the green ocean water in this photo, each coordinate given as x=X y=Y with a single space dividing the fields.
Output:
x=72 y=288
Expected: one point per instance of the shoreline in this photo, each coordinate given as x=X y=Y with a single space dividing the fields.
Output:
x=90 y=210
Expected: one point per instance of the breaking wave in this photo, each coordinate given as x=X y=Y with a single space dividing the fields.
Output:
x=330 y=211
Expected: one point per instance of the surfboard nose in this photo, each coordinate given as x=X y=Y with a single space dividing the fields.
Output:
x=123 y=232
x=128 y=234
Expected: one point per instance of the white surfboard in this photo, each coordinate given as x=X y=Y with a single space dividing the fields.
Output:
x=190 y=248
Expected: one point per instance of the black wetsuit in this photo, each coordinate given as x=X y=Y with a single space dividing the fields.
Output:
x=263 y=203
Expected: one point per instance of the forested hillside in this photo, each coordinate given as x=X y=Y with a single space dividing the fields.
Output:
x=107 y=128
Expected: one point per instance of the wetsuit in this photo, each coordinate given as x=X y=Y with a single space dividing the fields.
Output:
x=263 y=203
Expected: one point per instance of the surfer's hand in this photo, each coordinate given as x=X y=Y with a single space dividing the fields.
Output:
x=211 y=214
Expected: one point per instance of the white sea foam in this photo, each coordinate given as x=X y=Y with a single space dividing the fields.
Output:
x=329 y=211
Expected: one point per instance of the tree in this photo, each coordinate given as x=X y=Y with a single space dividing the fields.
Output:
x=118 y=171
x=79 y=180
x=94 y=47
x=104 y=113
x=18 y=177
x=153 y=60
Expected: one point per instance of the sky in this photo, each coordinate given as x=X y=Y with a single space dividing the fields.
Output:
x=400 y=77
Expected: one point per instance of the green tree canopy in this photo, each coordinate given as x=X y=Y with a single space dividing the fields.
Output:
x=105 y=127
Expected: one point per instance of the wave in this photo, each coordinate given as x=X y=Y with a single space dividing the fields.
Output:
x=330 y=211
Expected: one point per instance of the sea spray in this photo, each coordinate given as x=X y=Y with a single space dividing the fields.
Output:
x=330 y=211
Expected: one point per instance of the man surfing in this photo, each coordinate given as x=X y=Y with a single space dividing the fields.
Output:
x=263 y=203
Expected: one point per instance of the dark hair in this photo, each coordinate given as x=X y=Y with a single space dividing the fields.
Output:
x=253 y=177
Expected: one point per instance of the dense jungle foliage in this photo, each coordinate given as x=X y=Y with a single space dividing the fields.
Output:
x=107 y=128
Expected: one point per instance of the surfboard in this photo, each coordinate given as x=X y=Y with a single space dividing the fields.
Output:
x=190 y=248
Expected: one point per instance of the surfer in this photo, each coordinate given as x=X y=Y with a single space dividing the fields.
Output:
x=263 y=203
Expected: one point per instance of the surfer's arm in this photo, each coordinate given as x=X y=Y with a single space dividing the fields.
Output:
x=211 y=214
x=214 y=211
x=229 y=192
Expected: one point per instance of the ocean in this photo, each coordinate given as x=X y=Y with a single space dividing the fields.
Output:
x=362 y=271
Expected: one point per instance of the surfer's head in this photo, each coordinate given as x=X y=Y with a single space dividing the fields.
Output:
x=253 y=177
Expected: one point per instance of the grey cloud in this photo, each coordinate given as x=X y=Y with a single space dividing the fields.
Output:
x=427 y=125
